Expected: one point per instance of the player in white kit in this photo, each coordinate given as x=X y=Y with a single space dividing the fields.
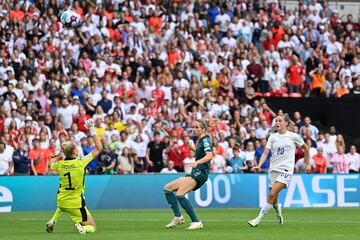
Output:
x=282 y=144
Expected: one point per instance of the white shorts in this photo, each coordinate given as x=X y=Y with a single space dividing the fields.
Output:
x=279 y=177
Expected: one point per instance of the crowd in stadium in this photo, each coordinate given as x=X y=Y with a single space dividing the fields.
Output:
x=144 y=70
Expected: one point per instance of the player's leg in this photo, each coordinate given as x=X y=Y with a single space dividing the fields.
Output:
x=171 y=199
x=79 y=216
x=89 y=225
x=273 y=195
x=278 y=210
x=187 y=185
x=51 y=223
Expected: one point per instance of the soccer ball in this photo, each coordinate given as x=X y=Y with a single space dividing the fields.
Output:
x=70 y=19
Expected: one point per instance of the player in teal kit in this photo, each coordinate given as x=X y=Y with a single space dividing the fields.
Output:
x=194 y=180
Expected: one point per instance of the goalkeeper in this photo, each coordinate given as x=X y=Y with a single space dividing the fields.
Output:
x=70 y=197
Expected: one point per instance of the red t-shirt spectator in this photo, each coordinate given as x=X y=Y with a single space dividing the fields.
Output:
x=159 y=96
x=185 y=151
x=81 y=122
x=295 y=73
x=173 y=56
x=79 y=11
x=18 y=14
x=40 y=159
x=155 y=23
x=278 y=34
x=175 y=156
x=268 y=42
x=153 y=111
x=320 y=164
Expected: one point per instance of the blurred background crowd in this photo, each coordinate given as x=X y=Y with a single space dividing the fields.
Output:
x=144 y=70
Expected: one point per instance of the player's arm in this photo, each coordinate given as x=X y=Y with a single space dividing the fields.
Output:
x=207 y=158
x=307 y=157
x=262 y=159
x=89 y=124
x=189 y=144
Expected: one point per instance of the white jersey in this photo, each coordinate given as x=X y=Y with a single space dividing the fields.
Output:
x=283 y=147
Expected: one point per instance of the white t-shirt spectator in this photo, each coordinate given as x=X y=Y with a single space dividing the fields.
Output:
x=354 y=160
x=168 y=171
x=223 y=21
x=231 y=42
x=217 y=109
x=65 y=116
x=181 y=84
x=329 y=151
x=334 y=48
x=239 y=77
x=262 y=133
x=78 y=136
x=276 y=80
x=187 y=164
x=5 y=159
x=218 y=164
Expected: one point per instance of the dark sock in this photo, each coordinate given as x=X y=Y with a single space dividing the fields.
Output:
x=188 y=208
x=171 y=199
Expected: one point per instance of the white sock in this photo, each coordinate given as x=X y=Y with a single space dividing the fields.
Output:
x=276 y=207
x=264 y=210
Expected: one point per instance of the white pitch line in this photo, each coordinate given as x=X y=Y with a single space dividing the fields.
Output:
x=206 y=220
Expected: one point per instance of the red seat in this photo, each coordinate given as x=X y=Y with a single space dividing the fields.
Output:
x=284 y=95
x=267 y=94
x=258 y=94
x=295 y=95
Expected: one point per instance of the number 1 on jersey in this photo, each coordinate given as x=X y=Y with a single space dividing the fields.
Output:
x=69 y=178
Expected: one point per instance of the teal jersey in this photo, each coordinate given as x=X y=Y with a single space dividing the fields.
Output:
x=204 y=145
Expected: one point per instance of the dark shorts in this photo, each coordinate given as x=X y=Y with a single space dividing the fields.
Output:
x=199 y=176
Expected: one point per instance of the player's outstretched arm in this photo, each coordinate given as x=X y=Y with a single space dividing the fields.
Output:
x=89 y=124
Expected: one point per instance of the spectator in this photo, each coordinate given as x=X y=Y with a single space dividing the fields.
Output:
x=314 y=130
x=125 y=163
x=295 y=76
x=237 y=162
x=340 y=161
x=258 y=152
x=6 y=161
x=354 y=159
x=169 y=168
x=218 y=163
x=188 y=161
x=262 y=132
x=154 y=156
x=39 y=159
x=318 y=81
x=300 y=165
x=107 y=160
x=21 y=160
x=320 y=162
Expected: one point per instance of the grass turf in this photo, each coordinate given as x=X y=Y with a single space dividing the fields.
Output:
x=332 y=223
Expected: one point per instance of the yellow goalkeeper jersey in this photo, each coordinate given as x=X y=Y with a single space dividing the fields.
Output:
x=72 y=185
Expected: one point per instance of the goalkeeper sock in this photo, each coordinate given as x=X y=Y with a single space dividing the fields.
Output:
x=89 y=228
x=171 y=199
x=57 y=215
x=264 y=210
x=276 y=207
x=188 y=208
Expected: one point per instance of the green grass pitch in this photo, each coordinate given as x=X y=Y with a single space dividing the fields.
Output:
x=219 y=224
